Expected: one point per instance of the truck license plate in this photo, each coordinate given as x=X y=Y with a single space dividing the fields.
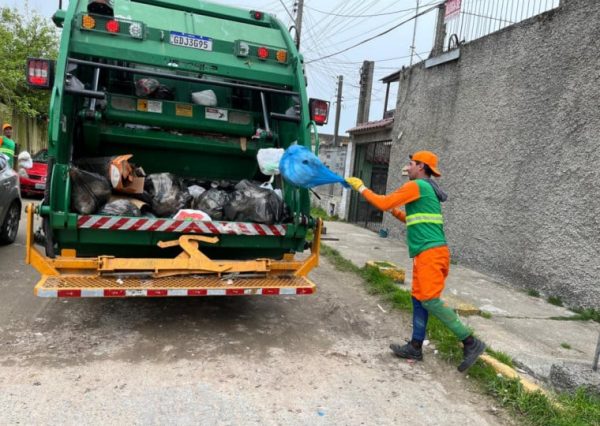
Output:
x=191 y=40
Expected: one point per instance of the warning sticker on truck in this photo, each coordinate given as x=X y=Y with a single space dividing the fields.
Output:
x=217 y=114
x=184 y=110
x=149 y=106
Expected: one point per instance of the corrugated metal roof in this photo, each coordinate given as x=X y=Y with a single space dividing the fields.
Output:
x=372 y=125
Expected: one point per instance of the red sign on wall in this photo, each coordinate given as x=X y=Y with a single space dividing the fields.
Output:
x=452 y=9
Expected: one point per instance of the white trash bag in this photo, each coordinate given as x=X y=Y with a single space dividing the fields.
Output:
x=268 y=160
x=25 y=161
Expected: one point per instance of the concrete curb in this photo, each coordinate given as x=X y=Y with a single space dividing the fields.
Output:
x=461 y=307
x=511 y=373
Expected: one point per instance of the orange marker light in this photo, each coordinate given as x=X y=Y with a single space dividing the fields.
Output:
x=282 y=55
x=88 y=22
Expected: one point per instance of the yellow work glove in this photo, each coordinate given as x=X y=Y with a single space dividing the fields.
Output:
x=356 y=184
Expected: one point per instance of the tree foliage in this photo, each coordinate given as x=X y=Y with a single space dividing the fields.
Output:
x=23 y=36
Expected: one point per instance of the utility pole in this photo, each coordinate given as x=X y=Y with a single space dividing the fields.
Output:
x=440 y=32
x=412 y=48
x=366 y=87
x=338 y=110
x=299 y=6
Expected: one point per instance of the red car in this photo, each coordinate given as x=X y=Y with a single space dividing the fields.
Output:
x=33 y=180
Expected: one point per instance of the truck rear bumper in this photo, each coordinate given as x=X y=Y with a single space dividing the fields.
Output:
x=190 y=274
x=95 y=287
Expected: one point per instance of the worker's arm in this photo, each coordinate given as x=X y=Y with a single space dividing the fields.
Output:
x=399 y=214
x=407 y=193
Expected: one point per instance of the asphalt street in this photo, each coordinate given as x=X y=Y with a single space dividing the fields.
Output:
x=320 y=359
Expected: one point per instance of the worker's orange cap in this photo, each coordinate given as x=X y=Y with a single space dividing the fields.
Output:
x=429 y=158
x=6 y=126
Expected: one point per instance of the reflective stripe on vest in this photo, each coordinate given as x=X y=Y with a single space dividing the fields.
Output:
x=415 y=219
x=7 y=151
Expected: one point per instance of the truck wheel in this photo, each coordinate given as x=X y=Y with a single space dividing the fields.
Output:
x=8 y=231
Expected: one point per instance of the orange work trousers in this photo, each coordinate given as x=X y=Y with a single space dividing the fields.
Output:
x=430 y=269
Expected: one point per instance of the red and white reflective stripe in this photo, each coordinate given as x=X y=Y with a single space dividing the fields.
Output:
x=83 y=293
x=179 y=226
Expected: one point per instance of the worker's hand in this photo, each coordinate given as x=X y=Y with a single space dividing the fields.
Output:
x=356 y=184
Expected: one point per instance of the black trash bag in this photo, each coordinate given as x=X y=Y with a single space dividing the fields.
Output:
x=212 y=202
x=251 y=203
x=166 y=194
x=120 y=208
x=146 y=86
x=225 y=185
x=89 y=192
x=164 y=93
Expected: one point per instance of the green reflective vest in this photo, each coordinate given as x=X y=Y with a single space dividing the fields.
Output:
x=424 y=221
x=7 y=147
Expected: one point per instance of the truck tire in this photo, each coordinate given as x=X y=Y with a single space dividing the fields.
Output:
x=10 y=227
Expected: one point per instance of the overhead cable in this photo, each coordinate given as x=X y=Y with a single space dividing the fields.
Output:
x=376 y=36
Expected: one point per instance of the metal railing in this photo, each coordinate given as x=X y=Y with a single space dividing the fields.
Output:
x=479 y=18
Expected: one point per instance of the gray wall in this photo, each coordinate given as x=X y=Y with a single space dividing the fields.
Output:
x=516 y=123
x=334 y=157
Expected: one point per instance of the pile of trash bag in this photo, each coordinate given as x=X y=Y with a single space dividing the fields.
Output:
x=120 y=208
x=212 y=202
x=253 y=203
x=90 y=191
x=112 y=186
x=167 y=194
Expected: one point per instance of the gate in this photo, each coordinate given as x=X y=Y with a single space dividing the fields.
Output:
x=371 y=165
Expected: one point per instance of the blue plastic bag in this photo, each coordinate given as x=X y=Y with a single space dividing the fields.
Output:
x=302 y=168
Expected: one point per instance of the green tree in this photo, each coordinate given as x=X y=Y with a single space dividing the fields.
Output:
x=23 y=36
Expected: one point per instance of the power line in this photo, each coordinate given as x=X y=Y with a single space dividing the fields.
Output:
x=286 y=9
x=359 y=16
x=376 y=36
x=338 y=62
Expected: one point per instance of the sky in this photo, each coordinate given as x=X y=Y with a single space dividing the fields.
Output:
x=324 y=34
x=329 y=27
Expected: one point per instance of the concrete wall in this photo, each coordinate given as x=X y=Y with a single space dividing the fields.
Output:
x=516 y=123
x=334 y=157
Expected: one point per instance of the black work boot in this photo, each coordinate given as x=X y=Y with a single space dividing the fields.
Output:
x=407 y=351
x=471 y=353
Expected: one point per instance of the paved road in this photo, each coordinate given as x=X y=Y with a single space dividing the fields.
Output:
x=319 y=359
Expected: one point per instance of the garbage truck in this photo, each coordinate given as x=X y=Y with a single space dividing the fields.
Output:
x=182 y=88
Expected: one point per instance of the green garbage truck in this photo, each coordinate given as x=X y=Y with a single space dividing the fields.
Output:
x=187 y=90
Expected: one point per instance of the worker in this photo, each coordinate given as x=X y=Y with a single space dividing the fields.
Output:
x=427 y=245
x=7 y=145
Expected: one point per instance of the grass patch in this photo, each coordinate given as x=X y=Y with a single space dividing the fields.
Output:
x=565 y=345
x=555 y=300
x=582 y=315
x=532 y=409
x=586 y=315
x=319 y=212
x=533 y=293
x=485 y=315
x=501 y=356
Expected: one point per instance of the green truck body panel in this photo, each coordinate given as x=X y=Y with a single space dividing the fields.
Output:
x=183 y=139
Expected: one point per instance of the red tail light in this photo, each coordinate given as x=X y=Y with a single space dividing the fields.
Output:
x=257 y=15
x=113 y=26
x=39 y=73
x=263 y=53
x=319 y=111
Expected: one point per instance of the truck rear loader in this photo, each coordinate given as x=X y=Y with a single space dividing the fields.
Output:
x=249 y=61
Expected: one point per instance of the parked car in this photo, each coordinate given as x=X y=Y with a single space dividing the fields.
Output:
x=10 y=202
x=33 y=179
